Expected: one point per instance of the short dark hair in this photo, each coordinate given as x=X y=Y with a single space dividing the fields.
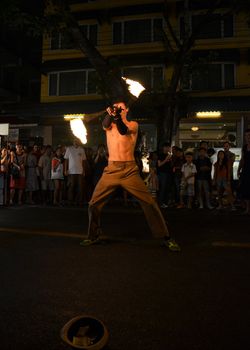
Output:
x=211 y=151
x=203 y=142
x=120 y=99
x=166 y=144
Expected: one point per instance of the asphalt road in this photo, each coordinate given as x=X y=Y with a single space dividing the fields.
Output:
x=148 y=297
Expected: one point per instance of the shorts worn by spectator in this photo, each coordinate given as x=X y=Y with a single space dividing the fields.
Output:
x=187 y=181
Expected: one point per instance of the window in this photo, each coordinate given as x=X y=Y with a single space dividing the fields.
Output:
x=68 y=83
x=215 y=76
x=72 y=83
x=151 y=77
x=215 y=26
x=61 y=41
x=137 y=31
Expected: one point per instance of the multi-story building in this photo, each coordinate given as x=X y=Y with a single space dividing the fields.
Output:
x=20 y=74
x=127 y=32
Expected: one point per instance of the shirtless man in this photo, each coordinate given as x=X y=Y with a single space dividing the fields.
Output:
x=123 y=171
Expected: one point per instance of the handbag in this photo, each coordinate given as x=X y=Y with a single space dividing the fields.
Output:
x=14 y=171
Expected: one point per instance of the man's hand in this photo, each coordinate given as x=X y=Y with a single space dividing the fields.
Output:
x=168 y=157
x=110 y=111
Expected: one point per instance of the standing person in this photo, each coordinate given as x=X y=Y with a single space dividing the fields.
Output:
x=231 y=159
x=32 y=183
x=57 y=176
x=122 y=171
x=18 y=161
x=100 y=163
x=203 y=177
x=75 y=159
x=165 y=174
x=222 y=177
x=44 y=165
x=229 y=155
x=202 y=144
x=153 y=182
x=187 y=181
x=5 y=159
x=244 y=172
x=178 y=161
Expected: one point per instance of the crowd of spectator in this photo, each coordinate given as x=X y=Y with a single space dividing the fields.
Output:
x=176 y=178
x=200 y=178
x=43 y=175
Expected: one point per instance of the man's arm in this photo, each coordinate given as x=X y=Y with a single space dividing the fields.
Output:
x=107 y=121
x=121 y=127
x=164 y=161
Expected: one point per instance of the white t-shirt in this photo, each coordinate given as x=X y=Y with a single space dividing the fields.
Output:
x=75 y=156
x=187 y=170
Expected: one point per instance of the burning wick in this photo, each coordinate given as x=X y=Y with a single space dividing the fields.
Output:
x=79 y=130
x=135 y=88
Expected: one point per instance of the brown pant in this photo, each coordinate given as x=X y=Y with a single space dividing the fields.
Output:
x=126 y=175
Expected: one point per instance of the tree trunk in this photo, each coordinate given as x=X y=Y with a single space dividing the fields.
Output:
x=169 y=121
x=113 y=86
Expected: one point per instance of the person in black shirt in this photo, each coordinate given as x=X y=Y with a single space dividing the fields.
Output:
x=177 y=163
x=100 y=162
x=203 y=177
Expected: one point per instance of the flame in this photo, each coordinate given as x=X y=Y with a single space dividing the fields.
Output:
x=135 y=88
x=79 y=130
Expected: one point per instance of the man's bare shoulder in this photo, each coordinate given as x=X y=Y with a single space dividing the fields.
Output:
x=132 y=124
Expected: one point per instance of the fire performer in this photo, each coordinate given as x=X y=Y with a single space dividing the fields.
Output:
x=122 y=171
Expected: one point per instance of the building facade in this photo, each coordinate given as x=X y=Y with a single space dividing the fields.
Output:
x=20 y=78
x=128 y=33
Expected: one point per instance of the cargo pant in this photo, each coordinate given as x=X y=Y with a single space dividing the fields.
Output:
x=125 y=175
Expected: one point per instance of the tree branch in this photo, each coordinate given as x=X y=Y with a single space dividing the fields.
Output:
x=170 y=27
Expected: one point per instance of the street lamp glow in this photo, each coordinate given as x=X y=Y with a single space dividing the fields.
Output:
x=194 y=128
x=135 y=88
x=68 y=117
x=209 y=114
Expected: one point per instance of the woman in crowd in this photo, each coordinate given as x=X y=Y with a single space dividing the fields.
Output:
x=222 y=177
x=244 y=173
x=17 y=173
x=57 y=176
x=32 y=184
x=5 y=159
